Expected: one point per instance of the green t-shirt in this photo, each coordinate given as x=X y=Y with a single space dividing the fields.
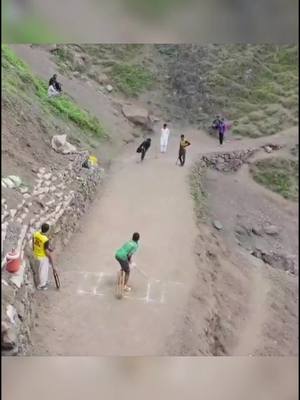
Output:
x=127 y=250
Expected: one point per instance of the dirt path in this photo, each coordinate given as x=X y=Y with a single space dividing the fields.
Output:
x=153 y=198
x=84 y=318
x=251 y=334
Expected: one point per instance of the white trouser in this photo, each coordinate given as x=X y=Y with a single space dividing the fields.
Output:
x=164 y=142
x=52 y=92
x=44 y=266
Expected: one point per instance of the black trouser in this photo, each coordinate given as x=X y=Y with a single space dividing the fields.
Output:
x=143 y=152
x=221 y=137
x=124 y=265
x=182 y=157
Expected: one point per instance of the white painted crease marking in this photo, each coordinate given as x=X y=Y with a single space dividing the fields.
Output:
x=147 y=298
x=163 y=295
x=84 y=292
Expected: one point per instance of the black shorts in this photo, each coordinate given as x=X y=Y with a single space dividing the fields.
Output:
x=124 y=265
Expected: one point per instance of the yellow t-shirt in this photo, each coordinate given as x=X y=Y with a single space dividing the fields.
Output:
x=93 y=160
x=39 y=241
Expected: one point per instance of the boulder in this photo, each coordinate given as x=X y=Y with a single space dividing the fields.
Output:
x=8 y=339
x=271 y=230
x=23 y=189
x=11 y=313
x=79 y=60
x=109 y=88
x=16 y=180
x=257 y=230
x=217 y=225
x=101 y=78
x=268 y=149
x=137 y=115
x=7 y=183
x=153 y=119
x=60 y=144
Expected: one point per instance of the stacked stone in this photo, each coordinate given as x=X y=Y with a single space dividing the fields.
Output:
x=60 y=200
x=229 y=161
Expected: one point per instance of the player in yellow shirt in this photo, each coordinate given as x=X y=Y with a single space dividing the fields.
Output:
x=182 y=149
x=42 y=253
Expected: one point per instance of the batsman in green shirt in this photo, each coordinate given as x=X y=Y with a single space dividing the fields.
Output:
x=124 y=254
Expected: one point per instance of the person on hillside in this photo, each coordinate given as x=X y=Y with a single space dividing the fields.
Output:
x=53 y=82
x=228 y=126
x=54 y=88
x=42 y=253
x=144 y=147
x=52 y=92
x=164 y=137
x=182 y=149
x=221 y=130
x=124 y=254
x=216 y=122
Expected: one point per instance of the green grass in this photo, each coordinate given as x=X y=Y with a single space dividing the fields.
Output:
x=241 y=81
x=197 y=191
x=279 y=175
x=131 y=79
x=295 y=151
x=19 y=81
x=275 y=86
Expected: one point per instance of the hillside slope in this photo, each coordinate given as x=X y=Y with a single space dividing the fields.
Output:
x=256 y=86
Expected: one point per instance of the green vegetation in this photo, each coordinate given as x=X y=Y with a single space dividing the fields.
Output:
x=295 y=151
x=279 y=175
x=131 y=79
x=65 y=60
x=20 y=82
x=197 y=191
x=85 y=59
x=254 y=85
x=271 y=87
x=100 y=52
x=121 y=63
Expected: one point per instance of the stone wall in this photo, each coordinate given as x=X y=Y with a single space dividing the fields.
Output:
x=59 y=199
x=227 y=161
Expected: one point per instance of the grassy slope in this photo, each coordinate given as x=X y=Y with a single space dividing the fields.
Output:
x=254 y=85
x=279 y=175
x=118 y=61
x=20 y=83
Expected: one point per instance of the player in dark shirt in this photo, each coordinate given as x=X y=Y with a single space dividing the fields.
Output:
x=143 y=148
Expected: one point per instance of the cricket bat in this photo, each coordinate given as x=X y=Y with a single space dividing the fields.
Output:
x=56 y=278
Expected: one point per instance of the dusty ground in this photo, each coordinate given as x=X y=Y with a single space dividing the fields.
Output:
x=217 y=299
x=203 y=294
x=253 y=307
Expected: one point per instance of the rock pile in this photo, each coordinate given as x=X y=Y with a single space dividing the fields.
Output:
x=228 y=161
x=281 y=261
x=271 y=147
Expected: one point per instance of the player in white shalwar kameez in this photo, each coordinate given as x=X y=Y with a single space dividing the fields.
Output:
x=164 y=137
